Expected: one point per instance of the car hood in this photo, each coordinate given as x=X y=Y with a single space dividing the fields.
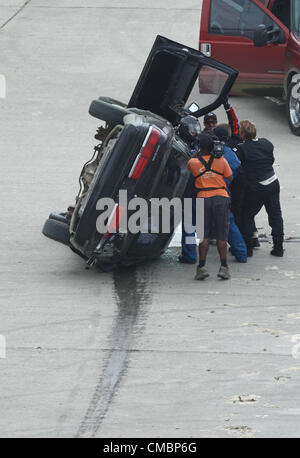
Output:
x=169 y=75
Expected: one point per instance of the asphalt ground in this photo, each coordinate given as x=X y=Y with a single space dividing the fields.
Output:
x=148 y=351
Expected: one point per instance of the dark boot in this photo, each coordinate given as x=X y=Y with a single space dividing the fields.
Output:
x=249 y=251
x=249 y=245
x=256 y=242
x=277 y=249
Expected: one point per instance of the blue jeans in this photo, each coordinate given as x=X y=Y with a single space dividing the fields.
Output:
x=236 y=241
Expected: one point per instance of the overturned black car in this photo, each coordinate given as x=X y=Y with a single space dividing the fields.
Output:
x=140 y=153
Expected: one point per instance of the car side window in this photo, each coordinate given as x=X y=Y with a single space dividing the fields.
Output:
x=282 y=10
x=236 y=17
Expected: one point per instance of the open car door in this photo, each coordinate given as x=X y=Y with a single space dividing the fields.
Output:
x=175 y=75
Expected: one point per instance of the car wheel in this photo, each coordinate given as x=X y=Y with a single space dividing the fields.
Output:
x=112 y=101
x=59 y=217
x=107 y=111
x=293 y=105
x=57 y=230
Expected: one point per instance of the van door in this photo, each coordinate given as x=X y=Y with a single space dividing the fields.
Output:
x=227 y=33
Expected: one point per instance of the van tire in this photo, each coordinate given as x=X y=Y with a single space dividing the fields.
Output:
x=107 y=111
x=293 y=108
x=57 y=230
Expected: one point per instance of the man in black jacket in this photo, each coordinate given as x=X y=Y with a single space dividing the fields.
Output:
x=256 y=156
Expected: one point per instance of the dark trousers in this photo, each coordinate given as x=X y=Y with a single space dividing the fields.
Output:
x=253 y=202
x=238 y=188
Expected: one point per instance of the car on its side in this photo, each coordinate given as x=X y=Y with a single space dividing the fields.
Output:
x=141 y=154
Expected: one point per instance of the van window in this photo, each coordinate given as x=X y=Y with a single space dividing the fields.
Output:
x=236 y=17
x=296 y=18
x=282 y=10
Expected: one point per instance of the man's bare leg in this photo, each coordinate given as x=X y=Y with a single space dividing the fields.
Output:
x=222 y=249
x=203 y=249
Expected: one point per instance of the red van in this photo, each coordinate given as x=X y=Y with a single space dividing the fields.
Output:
x=261 y=39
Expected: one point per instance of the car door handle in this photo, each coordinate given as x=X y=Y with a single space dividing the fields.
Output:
x=206 y=49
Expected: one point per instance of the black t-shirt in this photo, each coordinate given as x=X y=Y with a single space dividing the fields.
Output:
x=257 y=160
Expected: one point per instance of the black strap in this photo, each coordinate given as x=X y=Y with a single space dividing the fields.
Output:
x=208 y=168
x=210 y=189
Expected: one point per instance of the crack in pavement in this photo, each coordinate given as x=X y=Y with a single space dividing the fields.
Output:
x=15 y=14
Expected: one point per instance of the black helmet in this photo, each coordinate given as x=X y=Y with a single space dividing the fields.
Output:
x=189 y=129
x=221 y=132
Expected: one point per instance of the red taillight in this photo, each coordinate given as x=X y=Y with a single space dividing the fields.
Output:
x=114 y=220
x=143 y=157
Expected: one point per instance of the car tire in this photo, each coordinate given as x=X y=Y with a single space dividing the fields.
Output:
x=59 y=217
x=293 y=107
x=107 y=111
x=57 y=230
x=112 y=101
